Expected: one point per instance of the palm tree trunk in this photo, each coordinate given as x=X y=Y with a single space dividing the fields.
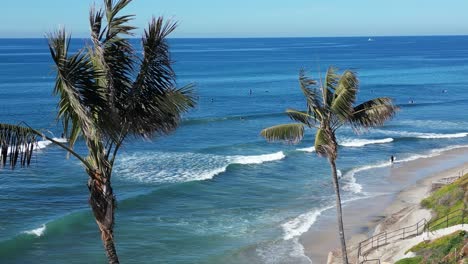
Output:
x=339 y=213
x=102 y=202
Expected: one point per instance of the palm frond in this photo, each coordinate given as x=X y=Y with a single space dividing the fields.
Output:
x=332 y=77
x=156 y=73
x=345 y=95
x=307 y=87
x=79 y=97
x=183 y=98
x=292 y=133
x=331 y=81
x=324 y=144
x=113 y=55
x=301 y=117
x=373 y=113
x=313 y=100
x=95 y=21
x=153 y=105
x=159 y=114
x=16 y=145
x=117 y=25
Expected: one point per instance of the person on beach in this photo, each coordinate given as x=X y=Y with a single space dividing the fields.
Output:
x=392 y=159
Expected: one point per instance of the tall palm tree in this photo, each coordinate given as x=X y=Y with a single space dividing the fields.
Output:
x=330 y=105
x=107 y=93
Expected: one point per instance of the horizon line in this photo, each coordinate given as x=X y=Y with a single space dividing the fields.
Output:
x=276 y=37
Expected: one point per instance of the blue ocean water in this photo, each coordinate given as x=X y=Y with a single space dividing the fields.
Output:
x=215 y=191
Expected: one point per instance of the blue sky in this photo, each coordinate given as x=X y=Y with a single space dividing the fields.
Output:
x=252 y=18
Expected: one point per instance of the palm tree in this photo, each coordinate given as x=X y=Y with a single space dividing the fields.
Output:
x=330 y=105
x=107 y=94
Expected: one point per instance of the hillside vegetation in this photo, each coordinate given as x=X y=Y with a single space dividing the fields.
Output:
x=450 y=200
x=448 y=249
x=447 y=199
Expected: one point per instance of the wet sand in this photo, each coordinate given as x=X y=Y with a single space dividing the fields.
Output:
x=405 y=185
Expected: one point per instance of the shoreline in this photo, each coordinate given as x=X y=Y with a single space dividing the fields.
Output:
x=397 y=205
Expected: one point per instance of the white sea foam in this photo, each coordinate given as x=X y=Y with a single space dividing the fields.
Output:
x=423 y=135
x=282 y=252
x=353 y=143
x=309 y=150
x=40 y=144
x=37 y=232
x=433 y=135
x=257 y=159
x=184 y=167
x=352 y=185
x=351 y=182
x=364 y=142
x=432 y=153
x=301 y=224
x=434 y=123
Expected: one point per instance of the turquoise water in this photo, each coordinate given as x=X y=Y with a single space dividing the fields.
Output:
x=215 y=191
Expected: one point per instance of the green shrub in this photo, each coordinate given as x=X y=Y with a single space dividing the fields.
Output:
x=445 y=200
x=415 y=260
x=441 y=248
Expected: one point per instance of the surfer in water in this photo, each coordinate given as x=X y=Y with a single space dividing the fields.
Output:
x=392 y=159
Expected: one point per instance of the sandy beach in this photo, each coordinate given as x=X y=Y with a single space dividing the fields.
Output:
x=390 y=209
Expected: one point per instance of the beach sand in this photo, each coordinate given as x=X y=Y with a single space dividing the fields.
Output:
x=395 y=205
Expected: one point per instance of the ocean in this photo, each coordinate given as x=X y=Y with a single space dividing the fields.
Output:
x=214 y=191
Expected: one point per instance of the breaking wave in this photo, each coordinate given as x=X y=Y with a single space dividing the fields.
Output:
x=363 y=142
x=37 y=232
x=302 y=223
x=353 y=142
x=309 y=150
x=423 y=135
x=183 y=167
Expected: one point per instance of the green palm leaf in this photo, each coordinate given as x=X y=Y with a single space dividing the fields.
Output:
x=154 y=105
x=95 y=21
x=331 y=80
x=313 y=99
x=307 y=87
x=16 y=145
x=332 y=77
x=156 y=73
x=373 y=113
x=288 y=132
x=301 y=117
x=117 y=25
x=79 y=97
x=345 y=95
x=324 y=145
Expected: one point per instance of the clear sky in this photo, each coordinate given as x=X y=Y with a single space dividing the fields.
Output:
x=252 y=18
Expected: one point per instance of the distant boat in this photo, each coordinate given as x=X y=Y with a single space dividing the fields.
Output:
x=370 y=39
